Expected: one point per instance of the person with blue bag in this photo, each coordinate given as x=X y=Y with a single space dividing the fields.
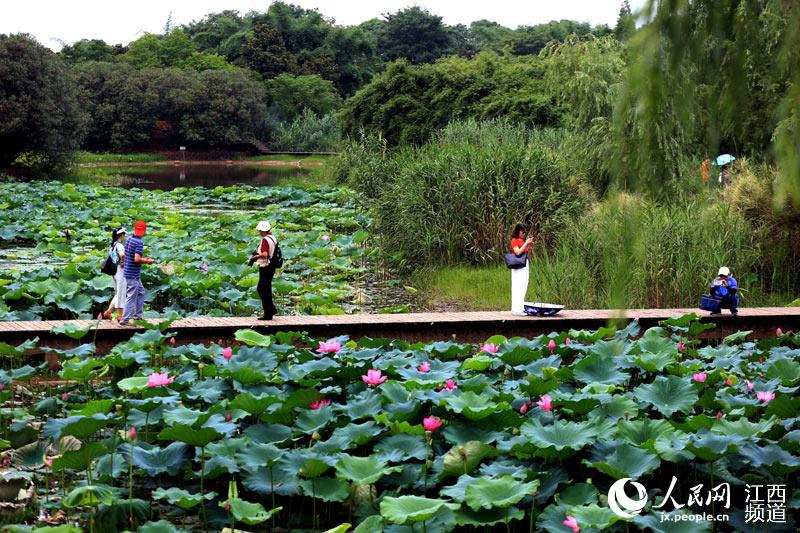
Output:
x=724 y=288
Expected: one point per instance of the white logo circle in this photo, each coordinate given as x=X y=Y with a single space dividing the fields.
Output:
x=621 y=504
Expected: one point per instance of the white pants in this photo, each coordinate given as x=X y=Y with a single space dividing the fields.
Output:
x=120 y=289
x=519 y=286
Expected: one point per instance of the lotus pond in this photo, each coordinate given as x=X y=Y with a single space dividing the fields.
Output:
x=286 y=432
x=53 y=237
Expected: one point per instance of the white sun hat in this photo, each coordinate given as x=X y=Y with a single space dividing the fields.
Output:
x=724 y=271
x=263 y=226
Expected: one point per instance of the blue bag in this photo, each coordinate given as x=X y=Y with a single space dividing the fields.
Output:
x=711 y=303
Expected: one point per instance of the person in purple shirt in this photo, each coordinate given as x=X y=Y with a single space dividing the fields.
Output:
x=134 y=259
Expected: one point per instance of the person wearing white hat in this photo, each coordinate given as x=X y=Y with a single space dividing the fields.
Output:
x=117 y=254
x=262 y=256
x=725 y=287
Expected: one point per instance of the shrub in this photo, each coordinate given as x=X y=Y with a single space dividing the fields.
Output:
x=306 y=133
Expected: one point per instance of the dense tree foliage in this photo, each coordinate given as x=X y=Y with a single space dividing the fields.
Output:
x=40 y=115
x=414 y=34
x=290 y=95
x=407 y=103
x=133 y=108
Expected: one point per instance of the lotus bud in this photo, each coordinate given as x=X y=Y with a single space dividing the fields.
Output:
x=779 y=332
x=201 y=366
x=227 y=506
x=172 y=341
x=118 y=408
x=228 y=417
x=316 y=436
x=132 y=433
x=64 y=397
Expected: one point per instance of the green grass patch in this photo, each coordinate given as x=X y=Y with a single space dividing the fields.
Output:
x=289 y=158
x=107 y=157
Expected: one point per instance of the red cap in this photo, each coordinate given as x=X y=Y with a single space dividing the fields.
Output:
x=139 y=228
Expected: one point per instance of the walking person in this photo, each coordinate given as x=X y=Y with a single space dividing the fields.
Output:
x=262 y=257
x=117 y=254
x=134 y=259
x=519 y=276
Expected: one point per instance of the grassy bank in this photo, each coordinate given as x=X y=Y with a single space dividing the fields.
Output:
x=84 y=157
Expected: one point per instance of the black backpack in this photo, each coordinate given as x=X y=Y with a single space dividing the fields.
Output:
x=277 y=256
x=109 y=266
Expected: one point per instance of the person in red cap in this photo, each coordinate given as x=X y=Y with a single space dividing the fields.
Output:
x=134 y=259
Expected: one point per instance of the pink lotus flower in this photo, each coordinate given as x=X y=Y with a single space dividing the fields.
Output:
x=450 y=384
x=203 y=268
x=765 y=396
x=329 y=346
x=132 y=433
x=681 y=347
x=228 y=416
x=719 y=415
x=159 y=379
x=431 y=423
x=779 y=332
x=425 y=367
x=326 y=238
x=48 y=461
x=546 y=403
x=551 y=345
x=64 y=397
x=99 y=316
x=489 y=347
x=373 y=378
x=172 y=341
x=227 y=353
x=567 y=341
x=227 y=505
x=319 y=403
x=729 y=382
x=571 y=523
x=749 y=385
x=524 y=407
x=699 y=377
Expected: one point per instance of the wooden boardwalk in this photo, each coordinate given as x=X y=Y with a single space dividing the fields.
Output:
x=462 y=326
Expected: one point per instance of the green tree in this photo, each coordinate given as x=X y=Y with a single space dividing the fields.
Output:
x=626 y=22
x=266 y=53
x=87 y=50
x=152 y=50
x=40 y=113
x=222 y=33
x=488 y=35
x=293 y=94
x=414 y=34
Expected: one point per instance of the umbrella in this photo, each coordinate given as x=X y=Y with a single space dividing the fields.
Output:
x=724 y=159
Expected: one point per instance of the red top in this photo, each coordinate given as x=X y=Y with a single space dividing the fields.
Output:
x=517 y=243
x=264 y=245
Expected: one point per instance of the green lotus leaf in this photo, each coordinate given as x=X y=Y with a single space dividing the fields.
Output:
x=493 y=517
x=154 y=460
x=249 y=513
x=341 y=528
x=371 y=524
x=255 y=406
x=620 y=459
x=743 y=427
x=71 y=329
x=134 y=384
x=182 y=415
x=710 y=446
x=312 y=420
x=269 y=433
x=326 y=489
x=578 y=494
x=162 y=526
x=498 y=492
x=82 y=371
x=252 y=338
x=403 y=509
x=474 y=406
x=79 y=303
x=593 y=516
x=786 y=370
x=668 y=394
x=88 y=496
x=77 y=426
x=192 y=437
x=363 y=470
x=256 y=454
x=559 y=435
x=406 y=446
x=478 y=363
x=464 y=458
x=95 y=407
x=597 y=368
x=183 y=499
x=639 y=432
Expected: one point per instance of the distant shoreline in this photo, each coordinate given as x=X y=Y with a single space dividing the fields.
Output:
x=177 y=163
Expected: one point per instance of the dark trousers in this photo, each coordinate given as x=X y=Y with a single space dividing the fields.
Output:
x=264 y=289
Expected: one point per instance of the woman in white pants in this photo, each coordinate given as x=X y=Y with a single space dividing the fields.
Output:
x=519 y=276
x=117 y=253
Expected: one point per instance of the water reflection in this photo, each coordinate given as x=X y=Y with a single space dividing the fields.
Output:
x=168 y=177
